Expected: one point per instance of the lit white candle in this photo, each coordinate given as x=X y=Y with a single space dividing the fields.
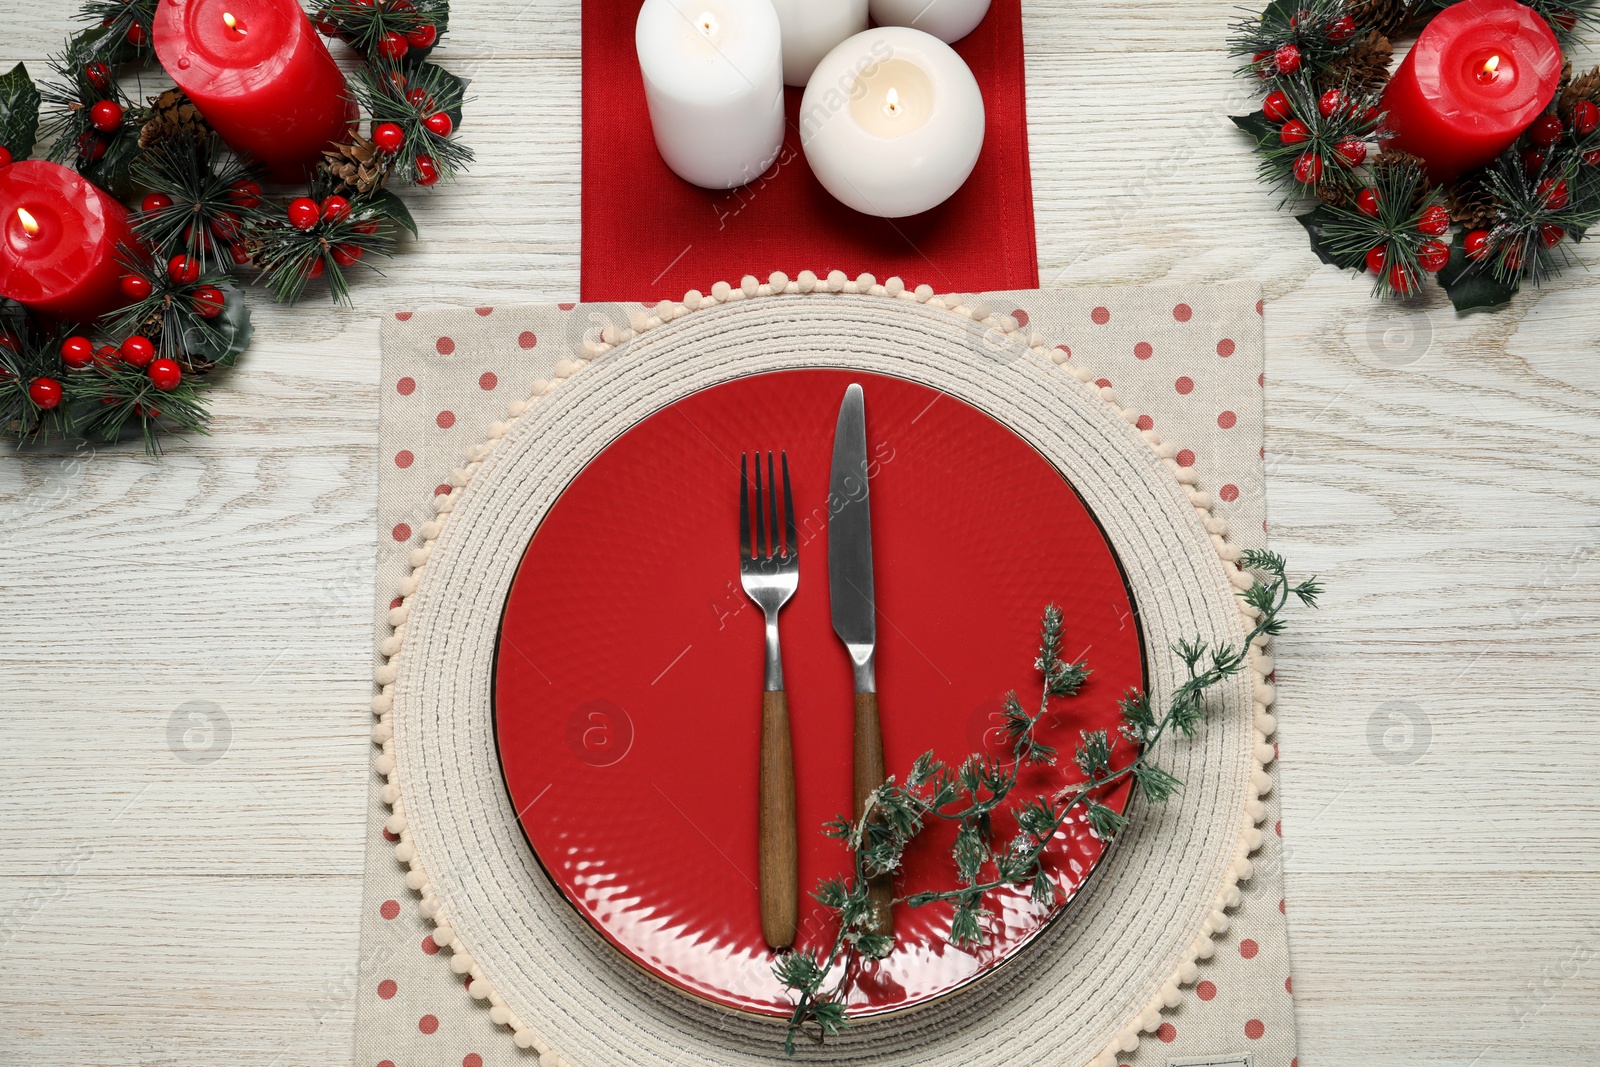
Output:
x=948 y=20
x=892 y=122
x=713 y=77
x=811 y=29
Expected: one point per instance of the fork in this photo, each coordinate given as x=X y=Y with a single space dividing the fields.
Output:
x=770 y=573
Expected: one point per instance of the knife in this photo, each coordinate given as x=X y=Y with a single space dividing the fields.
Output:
x=851 y=598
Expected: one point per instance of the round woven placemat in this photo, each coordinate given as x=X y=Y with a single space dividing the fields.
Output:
x=1096 y=980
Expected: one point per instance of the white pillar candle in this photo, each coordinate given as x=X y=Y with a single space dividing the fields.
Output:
x=892 y=122
x=811 y=29
x=713 y=78
x=948 y=20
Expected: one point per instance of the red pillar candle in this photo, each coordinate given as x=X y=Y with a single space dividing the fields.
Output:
x=1479 y=74
x=261 y=77
x=58 y=242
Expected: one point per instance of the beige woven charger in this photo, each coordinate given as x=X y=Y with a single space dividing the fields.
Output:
x=1102 y=987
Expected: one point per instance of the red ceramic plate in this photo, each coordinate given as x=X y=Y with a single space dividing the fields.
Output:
x=628 y=681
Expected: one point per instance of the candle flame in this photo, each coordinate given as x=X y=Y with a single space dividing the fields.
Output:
x=706 y=24
x=30 y=225
x=891 y=104
x=1490 y=69
x=232 y=23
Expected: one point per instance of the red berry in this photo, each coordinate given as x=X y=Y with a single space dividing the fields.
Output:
x=5 y=156
x=245 y=193
x=183 y=269
x=226 y=224
x=99 y=76
x=165 y=375
x=106 y=357
x=1399 y=280
x=1476 y=244
x=1551 y=234
x=1294 y=132
x=346 y=255
x=10 y=340
x=388 y=136
x=1376 y=259
x=1585 y=117
x=208 y=301
x=1545 y=131
x=134 y=286
x=1591 y=157
x=91 y=146
x=1434 y=221
x=1532 y=161
x=1434 y=256
x=45 y=393
x=369 y=226
x=1554 y=194
x=77 y=352
x=137 y=351
x=1263 y=68
x=439 y=124
x=1342 y=29
x=1276 y=107
x=1514 y=255
x=427 y=173
x=325 y=26
x=135 y=35
x=334 y=208
x=144 y=411
x=392 y=46
x=1331 y=101
x=315 y=270
x=155 y=202
x=106 y=116
x=1367 y=202
x=239 y=254
x=418 y=98
x=1353 y=150
x=304 y=212
x=1308 y=168
x=1286 y=58
x=423 y=36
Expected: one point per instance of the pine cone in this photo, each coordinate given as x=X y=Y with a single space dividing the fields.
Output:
x=172 y=114
x=1389 y=159
x=1586 y=87
x=1471 y=203
x=1385 y=16
x=357 y=164
x=1363 y=69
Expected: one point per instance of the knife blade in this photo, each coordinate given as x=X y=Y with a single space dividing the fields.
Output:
x=853 y=603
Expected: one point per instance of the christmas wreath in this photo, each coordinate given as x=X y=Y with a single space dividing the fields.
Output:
x=202 y=221
x=1325 y=66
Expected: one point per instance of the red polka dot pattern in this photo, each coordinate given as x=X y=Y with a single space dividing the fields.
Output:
x=1228 y=493
x=429 y=947
x=445 y=419
x=1226 y=347
x=1205 y=990
x=402 y=531
x=441 y=489
x=387 y=989
x=428 y=1023
x=404 y=458
x=1143 y=350
x=405 y=386
x=1227 y=420
x=1254 y=1029
x=385 y=1063
x=403 y=316
x=1183 y=312
x=1101 y=316
x=1288 y=985
x=396 y=602
x=488 y=380
x=1104 y=383
x=444 y=346
x=1249 y=949
x=1184 y=385
x=389 y=909
x=1064 y=348
x=1185 y=458
x=526 y=339
x=1167 y=1033
x=472 y=1059
x=1021 y=317
x=484 y=311
x=1146 y=423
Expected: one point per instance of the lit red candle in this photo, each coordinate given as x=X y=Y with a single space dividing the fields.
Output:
x=58 y=242
x=1479 y=74
x=261 y=77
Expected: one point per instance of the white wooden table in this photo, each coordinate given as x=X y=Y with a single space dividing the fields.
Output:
x=1439 y=751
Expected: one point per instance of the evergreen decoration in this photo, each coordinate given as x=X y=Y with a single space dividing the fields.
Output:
x=1324 y=66
x=205 y=227
x=973 y=794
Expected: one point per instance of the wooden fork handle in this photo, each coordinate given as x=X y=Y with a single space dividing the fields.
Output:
x=780 y=875
x=869 y=775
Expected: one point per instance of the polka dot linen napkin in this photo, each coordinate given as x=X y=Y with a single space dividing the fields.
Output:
x=1188 y=359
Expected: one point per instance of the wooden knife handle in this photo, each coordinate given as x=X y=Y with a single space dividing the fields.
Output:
x=869 y=775
x=780 y=875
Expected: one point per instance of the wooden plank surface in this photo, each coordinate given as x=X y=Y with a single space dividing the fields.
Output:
x=175 y=896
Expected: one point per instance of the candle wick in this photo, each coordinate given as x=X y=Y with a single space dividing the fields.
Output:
x=232 y=23
x=30 y=225
x=1490 y=71
x=707 y=24
x=891 y=105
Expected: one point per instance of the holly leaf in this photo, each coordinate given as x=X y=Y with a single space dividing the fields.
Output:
x=1256 y=125
x=1316 y=222
x=222 y=339
x=394 y=209
x=19 y=112
x=1473 y=286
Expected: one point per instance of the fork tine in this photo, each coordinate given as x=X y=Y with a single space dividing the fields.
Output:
x=761 y=514
x=772 y=507
x=789 y=541
x=744 y=505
